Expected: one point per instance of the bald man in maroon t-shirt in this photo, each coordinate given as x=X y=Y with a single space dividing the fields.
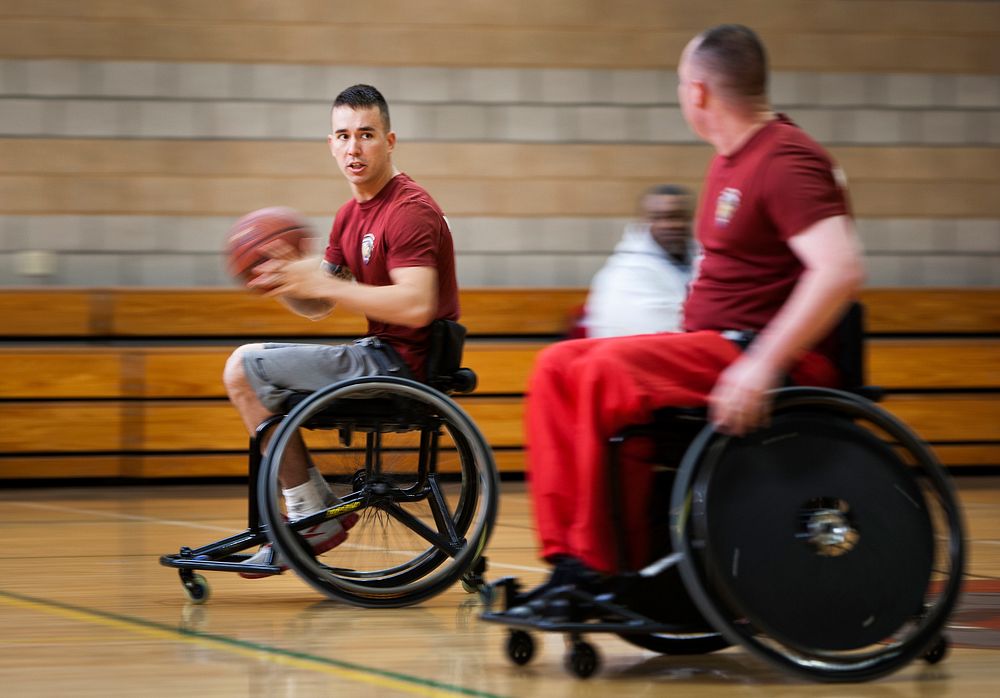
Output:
x=780 y=260
x=391 y=258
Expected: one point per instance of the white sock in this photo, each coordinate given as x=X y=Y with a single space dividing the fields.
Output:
x=303 y=500
x=320 y=483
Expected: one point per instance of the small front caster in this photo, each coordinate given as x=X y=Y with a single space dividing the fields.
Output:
x=196 y=588
x=520 y=647
x=582 y=659
x=937 y=651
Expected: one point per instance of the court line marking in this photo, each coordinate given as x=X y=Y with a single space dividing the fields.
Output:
x=298 y=660
x=206 y=527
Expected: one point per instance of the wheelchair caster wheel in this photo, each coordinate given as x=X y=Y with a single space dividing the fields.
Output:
x=486 y=595
x=474 y=581
x=582 y=659
x=520 y=647
x=197 y=588
x=937 y=651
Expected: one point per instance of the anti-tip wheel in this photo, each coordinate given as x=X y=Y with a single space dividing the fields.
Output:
x=582 y=659
x=197 y=589
x=520 y=647
x=937 y=651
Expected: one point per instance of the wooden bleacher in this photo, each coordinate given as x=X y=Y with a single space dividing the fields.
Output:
x=125 y=383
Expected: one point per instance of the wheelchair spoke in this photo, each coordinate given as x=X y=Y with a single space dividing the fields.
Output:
x=446 y=545
x=439 y=508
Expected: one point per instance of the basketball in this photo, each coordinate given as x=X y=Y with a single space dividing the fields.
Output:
x=259 y=228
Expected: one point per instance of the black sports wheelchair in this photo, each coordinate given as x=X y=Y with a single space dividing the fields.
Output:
x=828 y=543
x=403 y=458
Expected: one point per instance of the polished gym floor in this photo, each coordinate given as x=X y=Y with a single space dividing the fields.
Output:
x=87 y=610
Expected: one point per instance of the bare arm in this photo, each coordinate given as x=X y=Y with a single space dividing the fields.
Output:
x=305 y=286
x=316 y=308
x=410 y=300
x=833 y=273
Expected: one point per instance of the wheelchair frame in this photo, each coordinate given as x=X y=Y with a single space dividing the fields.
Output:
x=374 y=406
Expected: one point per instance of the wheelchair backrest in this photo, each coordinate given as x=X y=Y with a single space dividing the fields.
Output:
x=850 y=338
x=444 y=358
x=850 y=347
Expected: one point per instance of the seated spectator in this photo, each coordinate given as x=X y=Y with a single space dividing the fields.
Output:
x=642 y=286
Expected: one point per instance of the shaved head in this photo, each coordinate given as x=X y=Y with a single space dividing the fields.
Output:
x=731 y=58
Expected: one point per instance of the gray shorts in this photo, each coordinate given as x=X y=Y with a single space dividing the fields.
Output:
x=277 y=371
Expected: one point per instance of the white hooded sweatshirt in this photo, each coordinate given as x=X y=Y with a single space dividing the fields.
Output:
x=639 y=290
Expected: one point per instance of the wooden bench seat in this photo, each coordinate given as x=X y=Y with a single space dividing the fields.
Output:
x=506 y=312
x=120 y=390
x=222 y=312
x=502 y=367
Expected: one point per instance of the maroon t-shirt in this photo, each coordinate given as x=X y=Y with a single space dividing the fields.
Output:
x=401 y=226
x=776 y=186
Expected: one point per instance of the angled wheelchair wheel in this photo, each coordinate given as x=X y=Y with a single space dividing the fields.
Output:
x=664 y=599
x=416 y=483
x=829 y=543
x=679 y=643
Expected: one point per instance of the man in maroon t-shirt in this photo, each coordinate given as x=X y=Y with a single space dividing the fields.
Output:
x=780 y=260
x=390 y=257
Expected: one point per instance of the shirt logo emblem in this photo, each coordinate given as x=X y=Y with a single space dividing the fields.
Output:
x=367 y=247
x=726 y=205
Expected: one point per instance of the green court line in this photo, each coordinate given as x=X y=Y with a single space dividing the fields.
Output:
x=301 y=660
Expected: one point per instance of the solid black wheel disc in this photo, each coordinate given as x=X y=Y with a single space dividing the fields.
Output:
x=816 y=531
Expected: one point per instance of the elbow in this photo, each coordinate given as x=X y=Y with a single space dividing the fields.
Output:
x=843 y=275
x=419 y=316
x=422 y=311
x=424 y=319
x=854 y=275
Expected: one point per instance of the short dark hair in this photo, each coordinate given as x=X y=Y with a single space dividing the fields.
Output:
x=364 y=97
x=668 y=190
x=735 y=55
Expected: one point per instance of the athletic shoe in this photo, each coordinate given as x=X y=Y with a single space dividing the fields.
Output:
x=555 y=597
x=323 y=536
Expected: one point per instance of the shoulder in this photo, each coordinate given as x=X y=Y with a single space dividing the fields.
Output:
x=410 y=200
x=409 y=192
x=788 y=141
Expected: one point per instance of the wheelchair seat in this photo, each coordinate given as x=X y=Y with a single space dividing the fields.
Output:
x=399 y=455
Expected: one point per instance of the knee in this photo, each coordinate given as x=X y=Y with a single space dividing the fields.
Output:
x=554 y=357
x=605 y=358
x=234 y=373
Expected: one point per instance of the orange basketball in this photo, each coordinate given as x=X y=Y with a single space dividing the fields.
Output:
x=258 y=228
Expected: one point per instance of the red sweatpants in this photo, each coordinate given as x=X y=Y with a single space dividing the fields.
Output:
x=584 y=391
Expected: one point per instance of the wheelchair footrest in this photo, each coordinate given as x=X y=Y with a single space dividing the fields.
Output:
x=567 y=609
x=230 y=563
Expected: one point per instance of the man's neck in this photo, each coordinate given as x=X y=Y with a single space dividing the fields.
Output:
x=735 y=130
x=371 y=189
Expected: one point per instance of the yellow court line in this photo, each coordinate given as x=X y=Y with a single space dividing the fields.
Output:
x=344 y=670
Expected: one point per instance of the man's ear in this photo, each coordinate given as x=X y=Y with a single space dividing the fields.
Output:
x=699 y=93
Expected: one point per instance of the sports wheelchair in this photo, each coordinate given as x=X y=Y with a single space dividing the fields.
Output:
x=828 y=544
x=402 y=458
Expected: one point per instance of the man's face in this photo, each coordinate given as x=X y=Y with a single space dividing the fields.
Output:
x=362 y=146
x=688 y=89
x=669 y=219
